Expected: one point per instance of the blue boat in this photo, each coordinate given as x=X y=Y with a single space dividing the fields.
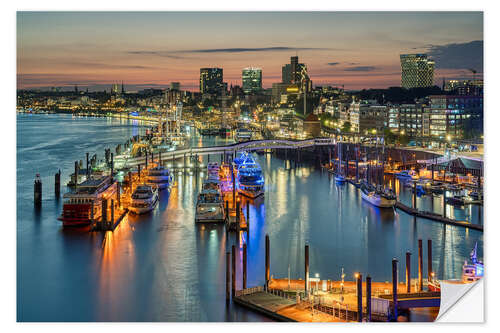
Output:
x=250 y=179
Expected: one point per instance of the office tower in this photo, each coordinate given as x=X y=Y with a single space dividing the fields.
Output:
x=211 y=81
x=252 y=80
x=417 y=71
x=175 y=86
x=296 y=73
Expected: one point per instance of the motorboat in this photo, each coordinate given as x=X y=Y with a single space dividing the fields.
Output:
x=160 y=177
x=210 y=206
x=407 y=174
x=213 y=170
x=144 y=199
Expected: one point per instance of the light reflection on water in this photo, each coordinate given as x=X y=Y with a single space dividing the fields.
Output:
x=164 y=267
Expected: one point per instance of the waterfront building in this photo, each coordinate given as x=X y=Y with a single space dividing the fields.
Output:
x=455 y=116
x=312 y=126
x=416 y=71
x=366 y=116
x=211 y=81
x=393 y=118
x=251 y=78
x=411 y=119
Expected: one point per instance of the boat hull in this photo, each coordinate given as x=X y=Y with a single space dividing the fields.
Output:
x=378 y=200
x=251 y=193
x=143 y=209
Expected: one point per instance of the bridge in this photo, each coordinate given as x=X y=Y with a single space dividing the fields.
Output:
x=251 y=145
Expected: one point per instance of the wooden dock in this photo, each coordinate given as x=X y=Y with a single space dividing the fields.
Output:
x=280 y=306
x=436 y=217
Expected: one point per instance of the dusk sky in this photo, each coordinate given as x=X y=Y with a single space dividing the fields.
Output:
x=358 y=50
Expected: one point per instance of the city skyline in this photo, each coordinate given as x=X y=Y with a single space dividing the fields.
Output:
x=355 y=49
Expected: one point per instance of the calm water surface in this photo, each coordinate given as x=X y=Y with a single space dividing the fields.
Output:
x=164 y=267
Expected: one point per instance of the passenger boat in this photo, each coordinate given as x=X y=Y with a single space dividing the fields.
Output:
x=243 y=134
x=471 y=272
x=209 y=206
x=160 y=177
x=144 y=199
x=250 y=179
x=240 y=159
x=383 y=198
x=213 y=170
x=85 y=202
x=407 y=174
x=212 y=184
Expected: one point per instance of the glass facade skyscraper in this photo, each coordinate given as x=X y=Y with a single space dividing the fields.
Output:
x=211 y=81
x=252 y=80
x=417 y=71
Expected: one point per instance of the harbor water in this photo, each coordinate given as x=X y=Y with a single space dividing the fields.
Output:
x=164 y=267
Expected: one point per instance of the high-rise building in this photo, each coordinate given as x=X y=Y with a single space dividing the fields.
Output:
x=175 y=86
x=296 y=73
x=416 y=71
x=252 y=80
x=115 y=89
x=211 y=81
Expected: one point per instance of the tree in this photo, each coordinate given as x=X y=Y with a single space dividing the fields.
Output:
x=346 y=127
x=404 y=139
x=389 y=137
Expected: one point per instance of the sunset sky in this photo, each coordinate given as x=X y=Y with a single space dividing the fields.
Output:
x=358 y=50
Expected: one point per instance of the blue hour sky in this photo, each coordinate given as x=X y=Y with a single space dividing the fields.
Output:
x=149 y=49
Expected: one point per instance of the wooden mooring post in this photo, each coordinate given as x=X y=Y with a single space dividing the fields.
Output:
x=267 y=270
x=227 y=276
x=368 y=299
x=244 y=284
x=57 y=184
x=306 y=271
x=38 y=191
x=420 y=267
x=408 y=272
x=429 y=260
x=359 y=291
x=395 y=287
x=233 y=271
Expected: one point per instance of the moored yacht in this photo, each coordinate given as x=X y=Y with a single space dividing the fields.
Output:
x=407 y=174
x=250 y=179
x=144 y=199
x=209 y=206
x=160 y=177
x=383 y=198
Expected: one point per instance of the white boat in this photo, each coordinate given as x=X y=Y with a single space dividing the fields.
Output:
x=243 y=134
x=210 y=207
x=213 y=170
x=211 y=184
x=471 y=272
x=144 y=199
x=407 y=174
x=249 y=179
x=474 y=270
x=160 y=177
x=376 y=196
